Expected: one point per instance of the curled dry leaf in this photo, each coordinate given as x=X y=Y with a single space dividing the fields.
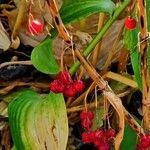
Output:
x=116 y=103
x=4 y=38
x=15 y=42
x=80 y=39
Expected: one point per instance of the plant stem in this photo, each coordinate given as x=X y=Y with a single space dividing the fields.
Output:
x=143 y=47
x=97 y=49
x=100 y=34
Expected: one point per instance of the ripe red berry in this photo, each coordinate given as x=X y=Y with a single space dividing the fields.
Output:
x=110 y=134
x=139 y=147
x=65 y=77
x=79 y=85
x=130 y=23
x=86 y=123
x=86 y=137
x=35 y=27
x=86 y=114
x=145 y=141
x=104 y=146
x=69 y=91
x=56 y=86
x=99 y=134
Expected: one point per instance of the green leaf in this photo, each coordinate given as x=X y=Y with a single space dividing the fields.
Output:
x=38 y=122
x=75 y=10
x=129 y=139
x=98 y=119
x=131 y=42
x=42 y=58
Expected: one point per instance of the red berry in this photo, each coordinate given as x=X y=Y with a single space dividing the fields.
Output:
x=139 y=147
x=79 y=85
x=86 y=137
x=56 y=86
x=104 y=146
x=145 y=141
x=86 y=123
x=35 y=27
x=99 y=134
x=86 y=114
x=130 y=23
x=110 y=134
x=64 y=77
x=69 y=91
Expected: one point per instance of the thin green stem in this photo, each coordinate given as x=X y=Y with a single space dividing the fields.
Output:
x=100 y=34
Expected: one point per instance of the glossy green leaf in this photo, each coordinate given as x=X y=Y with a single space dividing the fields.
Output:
x=129 y=139
x=74 y=10
x=38 y=122
x=42 y=58
x=131 y=42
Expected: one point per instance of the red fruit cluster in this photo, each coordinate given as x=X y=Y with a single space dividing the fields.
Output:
x=130 y=23
x=100 y=138
x=144 y=142
x=64 y=84
x=86 y=118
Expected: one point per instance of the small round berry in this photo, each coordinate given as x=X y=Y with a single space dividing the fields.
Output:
x=130 y=23
x=56 y=86
x=104 y=146
x=79 y=85
x=110 y=134
x=86 y=137
x=65 y=77
x=86 y=114
x=35 y=27
x=86 y=124
x=145 y=141
x=69 y=91
x=99 y=134
x=139 y=147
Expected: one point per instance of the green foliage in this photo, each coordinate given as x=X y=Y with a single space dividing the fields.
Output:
x=129 y=139
x=43 y=59
x=75 y=10
x=131 y=42
x=37 y=122
x=42 y=56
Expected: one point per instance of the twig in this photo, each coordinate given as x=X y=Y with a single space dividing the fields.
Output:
x=143 y=47
x=82 y=107
x=19 y=19
x=120 y=78
x=5 y=6
x=27 y=62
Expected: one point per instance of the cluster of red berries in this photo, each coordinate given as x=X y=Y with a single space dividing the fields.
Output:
x=101 y=138
x=144 y=142
x=130 y=23
x=64 y=84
